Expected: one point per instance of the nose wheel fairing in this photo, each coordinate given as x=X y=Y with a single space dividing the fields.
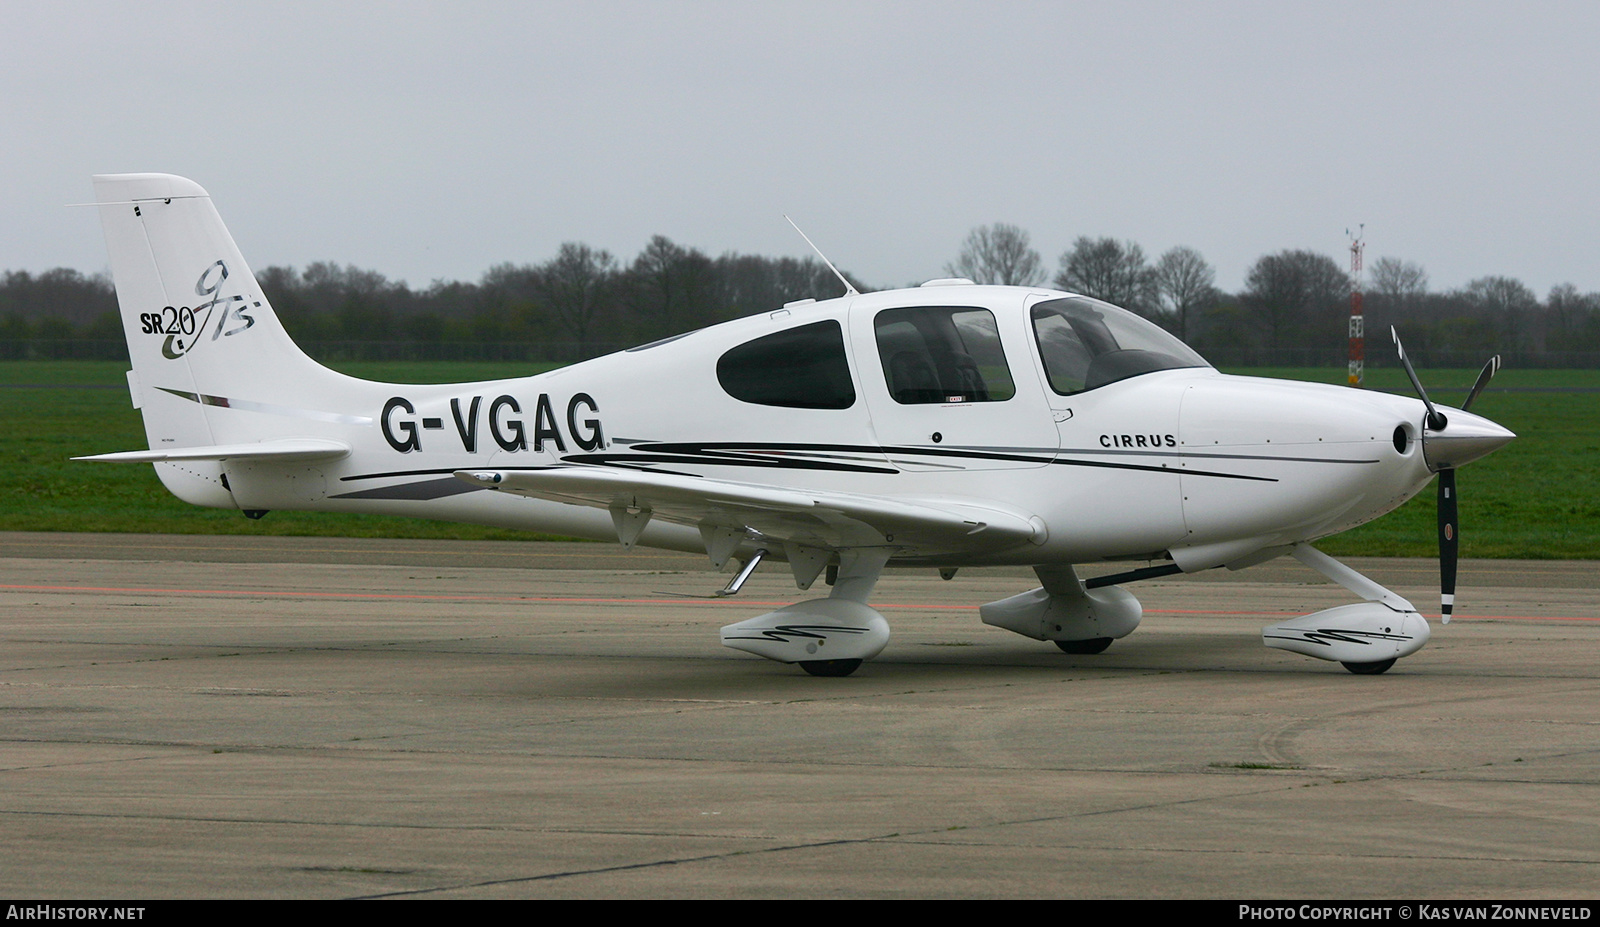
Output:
x=1363 y=636
x=1361 y=633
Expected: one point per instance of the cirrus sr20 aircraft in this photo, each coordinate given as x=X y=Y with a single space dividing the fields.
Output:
x=938 y=427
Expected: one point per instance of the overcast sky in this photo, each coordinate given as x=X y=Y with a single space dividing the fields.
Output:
x=433 y=140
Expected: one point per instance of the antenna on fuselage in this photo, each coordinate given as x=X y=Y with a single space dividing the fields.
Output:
x=848 y=289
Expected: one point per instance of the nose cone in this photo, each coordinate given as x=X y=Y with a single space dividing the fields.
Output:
x=1464 y=438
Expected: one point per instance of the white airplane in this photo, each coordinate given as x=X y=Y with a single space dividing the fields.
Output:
x=942 y=426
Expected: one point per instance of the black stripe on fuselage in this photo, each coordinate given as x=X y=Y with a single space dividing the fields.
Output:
x=1067 y=462
x=712 y=458
x=844 y=457
x=1026 y=453
x=434 y=471
x=1138 y=453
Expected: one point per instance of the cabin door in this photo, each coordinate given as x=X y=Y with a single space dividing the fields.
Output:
x=951 y=384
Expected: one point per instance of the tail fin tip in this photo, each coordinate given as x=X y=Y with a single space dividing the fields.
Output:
x=121 y=188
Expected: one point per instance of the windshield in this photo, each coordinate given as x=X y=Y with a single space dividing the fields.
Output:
x=1086 y=344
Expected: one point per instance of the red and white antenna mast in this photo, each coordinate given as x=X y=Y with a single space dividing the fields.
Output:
x=1358 y=340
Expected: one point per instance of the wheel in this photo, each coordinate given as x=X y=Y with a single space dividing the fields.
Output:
x=830 y=667
x=1369 y=669
x=1092 y=645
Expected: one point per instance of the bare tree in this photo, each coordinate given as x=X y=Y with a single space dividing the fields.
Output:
x=1000 y=254
x=1507 y=305
x=360 y=302
x=671 y=288
x=1297 y=293
x=1186 y=284
x=1568 y=316
x=573 y=285
x=1400 y=285
x=1500 y=294
x=749 y=283
x=60 y=293
x=508 y=301
x=1115 y=271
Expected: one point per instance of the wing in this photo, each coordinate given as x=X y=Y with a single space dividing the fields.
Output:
x=804 y=524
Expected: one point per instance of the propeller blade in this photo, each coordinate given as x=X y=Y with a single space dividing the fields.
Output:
x=1449 y=543
x=1487 y=374
x=1436 y=421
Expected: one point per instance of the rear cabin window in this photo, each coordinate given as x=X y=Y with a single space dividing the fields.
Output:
x=801 y=368
x=942 y=355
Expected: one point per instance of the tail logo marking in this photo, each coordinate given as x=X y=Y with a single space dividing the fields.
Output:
x=184 y=326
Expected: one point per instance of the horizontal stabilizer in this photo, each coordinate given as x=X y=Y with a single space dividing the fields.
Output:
x=287 y=449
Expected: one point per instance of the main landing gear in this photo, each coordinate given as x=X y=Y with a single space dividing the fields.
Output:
x=827 y=637
x=1063 y=609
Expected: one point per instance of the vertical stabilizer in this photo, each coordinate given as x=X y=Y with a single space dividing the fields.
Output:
x=201 y=335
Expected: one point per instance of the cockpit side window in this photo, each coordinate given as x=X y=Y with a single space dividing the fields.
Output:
x=942 y=355
x=800 y=368
x=1087 y=344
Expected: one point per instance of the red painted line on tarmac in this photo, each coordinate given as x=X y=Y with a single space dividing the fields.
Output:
x=1430 y=617
x=686 y=600
x=352 y=595
x=1453 y=618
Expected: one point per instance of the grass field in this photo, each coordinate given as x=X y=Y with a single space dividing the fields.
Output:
x=1537 y=498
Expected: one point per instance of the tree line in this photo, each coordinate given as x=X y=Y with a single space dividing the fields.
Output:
x=1295 y=305
x=580 y=303
x=1293 y=309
